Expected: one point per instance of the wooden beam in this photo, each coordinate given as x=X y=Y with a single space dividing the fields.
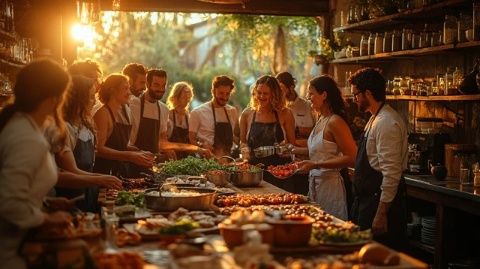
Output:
x=255 y=7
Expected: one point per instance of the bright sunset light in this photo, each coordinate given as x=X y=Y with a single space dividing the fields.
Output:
x=84 y=34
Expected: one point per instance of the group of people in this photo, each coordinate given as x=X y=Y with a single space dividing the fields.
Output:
x=73 y=132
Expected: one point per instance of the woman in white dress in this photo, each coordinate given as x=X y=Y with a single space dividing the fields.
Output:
x=27 y=169
x=330 y=147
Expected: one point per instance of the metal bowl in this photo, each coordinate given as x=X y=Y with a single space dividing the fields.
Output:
x=264 y=151
x=199 y=202
x=219 y=179
x=246 y=179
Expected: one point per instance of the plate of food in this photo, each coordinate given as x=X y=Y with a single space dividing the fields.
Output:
x=283 y=171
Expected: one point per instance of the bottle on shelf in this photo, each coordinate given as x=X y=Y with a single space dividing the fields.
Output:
x=371 y=44
x=387 y=42
x=363 y=46
x=424 y=38
x=396 y=41
x=450 y=30
x=378 y=47
x=457 y=78
x=406 y=39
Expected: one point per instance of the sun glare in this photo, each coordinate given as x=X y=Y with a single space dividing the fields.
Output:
x=84 y=34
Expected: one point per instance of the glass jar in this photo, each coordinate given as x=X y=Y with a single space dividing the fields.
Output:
x=371 y=44
x=450 y=30
x=387 y=42
x=415 y=41
x=378 y=48
x=424 y=38
x=396 y=85
x=363 y=46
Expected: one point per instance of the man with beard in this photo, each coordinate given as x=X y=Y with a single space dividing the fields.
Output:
x=214 y=124
x=136 y=78
x=150 y=120
x=378 y=185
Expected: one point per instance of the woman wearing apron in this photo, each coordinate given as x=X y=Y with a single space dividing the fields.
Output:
x=113 y=130
x=265 y=123
x=79 y=154
x=330 y=148
x=178 y=102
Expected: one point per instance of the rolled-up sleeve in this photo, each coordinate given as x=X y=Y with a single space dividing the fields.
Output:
x=135 y=113
x=390 y=152
x=20 y=162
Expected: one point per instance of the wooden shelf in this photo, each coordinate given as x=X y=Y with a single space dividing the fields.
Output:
x=422 y=246
x=7 y=36
x=435 y=10
x=10 y=64
x=406 y=53
x=448 y=98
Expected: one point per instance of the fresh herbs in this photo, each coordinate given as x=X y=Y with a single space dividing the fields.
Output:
x=191 y=166
x=130 y=198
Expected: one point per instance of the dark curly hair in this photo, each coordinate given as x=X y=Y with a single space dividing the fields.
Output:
x=155 y=73
x=334 y=99
x=370 y=79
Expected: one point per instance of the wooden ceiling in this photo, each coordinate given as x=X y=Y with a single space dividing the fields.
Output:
x=257 y=7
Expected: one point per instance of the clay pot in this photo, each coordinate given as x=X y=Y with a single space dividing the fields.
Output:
x=438 y=171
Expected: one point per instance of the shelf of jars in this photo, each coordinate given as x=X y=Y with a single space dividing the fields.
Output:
x=450 y=98
x=403 y=53
x=433 y=10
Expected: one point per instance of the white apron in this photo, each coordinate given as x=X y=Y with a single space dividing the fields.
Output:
x=325 y=186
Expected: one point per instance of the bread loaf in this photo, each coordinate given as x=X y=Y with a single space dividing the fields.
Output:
x=378 y=254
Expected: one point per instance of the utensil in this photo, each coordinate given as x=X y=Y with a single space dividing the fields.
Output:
x=203 y=201
x=264 y=151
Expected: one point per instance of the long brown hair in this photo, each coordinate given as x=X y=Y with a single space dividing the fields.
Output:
x=75 y=109
x=278 y=98
x=36 y=82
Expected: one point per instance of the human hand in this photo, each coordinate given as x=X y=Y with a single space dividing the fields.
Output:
x=205 y=153
x=109 y=182
x=306 y=165
x=142 y=158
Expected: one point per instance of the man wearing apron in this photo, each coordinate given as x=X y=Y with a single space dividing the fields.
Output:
x=150 y=115
x=378 y=186
x=214 y=124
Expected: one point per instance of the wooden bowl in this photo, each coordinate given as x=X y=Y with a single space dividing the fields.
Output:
x=292 y=231
x=235 y=236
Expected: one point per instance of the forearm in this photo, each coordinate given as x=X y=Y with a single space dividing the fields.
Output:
x=337 y=162
x=112 y=154
x=71 y=180
x=166 y=145
x=301 y=150
x=383 y=208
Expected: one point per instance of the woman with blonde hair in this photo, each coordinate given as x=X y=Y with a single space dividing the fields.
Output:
x=113 y=122
x=178 y=103
x=267 y=121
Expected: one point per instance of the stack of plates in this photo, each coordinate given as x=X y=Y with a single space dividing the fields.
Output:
x=428 y=234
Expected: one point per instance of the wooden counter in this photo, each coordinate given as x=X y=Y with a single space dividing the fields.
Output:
x=456 y=209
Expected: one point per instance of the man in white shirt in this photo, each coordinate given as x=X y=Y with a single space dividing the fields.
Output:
x=150 y=119
x=214 y=124
x=136 y=77
x=379 y=188
x=301 y=108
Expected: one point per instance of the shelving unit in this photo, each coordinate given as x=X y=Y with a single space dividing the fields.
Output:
x=9 y=64
x=434 y=11
x=406 y=53
x=7 y=36
x=436 y=98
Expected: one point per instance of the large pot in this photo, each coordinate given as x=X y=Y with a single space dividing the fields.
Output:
x=246 y=179
x=203 y=201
